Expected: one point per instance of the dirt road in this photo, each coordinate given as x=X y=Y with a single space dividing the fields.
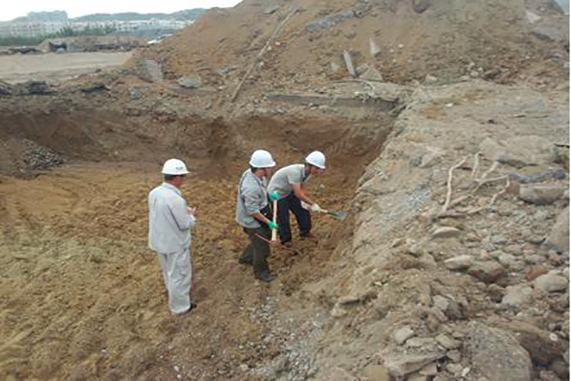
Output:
x=56 y=67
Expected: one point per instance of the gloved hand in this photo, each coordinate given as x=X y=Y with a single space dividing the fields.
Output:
x=315 y=208
x=274 y=196
x=273 y=225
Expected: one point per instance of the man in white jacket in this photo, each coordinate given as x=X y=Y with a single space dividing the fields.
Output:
x=170 y=222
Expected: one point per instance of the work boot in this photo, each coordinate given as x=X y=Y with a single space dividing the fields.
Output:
x=243 y=261
x=265 y=278
x=307 y=236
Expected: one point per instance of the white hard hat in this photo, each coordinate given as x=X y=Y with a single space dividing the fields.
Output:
x=262 y=159
x=317 y=159
x=174 y=167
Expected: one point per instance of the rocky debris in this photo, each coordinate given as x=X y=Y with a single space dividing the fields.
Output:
x=551 y=282
x=517 y=295
x=41 y=158
x=488 y=272
x=36 y=88
x=373 y=47
x=403 y=334
x=95 y=88
x=537 y=174
x=541 y=194
x=194 y=82
x=402 y=364
x=558 y=238
x=520 y=151
x=329 y=22
x=154 y=71
x=460 y=262
x=445 y=232
x=426 y=157
x=375 y=373
x=5 y=89
x=369 y=73
x=497 y=355
x=349 y=63
x=420 y=6
x=271 y=9
x=543 y=347
x=447 y=342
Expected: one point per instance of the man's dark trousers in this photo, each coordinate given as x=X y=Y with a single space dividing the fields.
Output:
x=258 y=251
x=302 y=216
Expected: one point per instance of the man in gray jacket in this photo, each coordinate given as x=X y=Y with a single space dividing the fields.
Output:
x=170 y=222
x=253 y=213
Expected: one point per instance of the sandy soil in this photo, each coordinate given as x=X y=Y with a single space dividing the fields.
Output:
x=56 y=67
x=82 y=295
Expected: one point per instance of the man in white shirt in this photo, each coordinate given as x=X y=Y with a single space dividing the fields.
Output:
x=170 y=222
x=288 y=184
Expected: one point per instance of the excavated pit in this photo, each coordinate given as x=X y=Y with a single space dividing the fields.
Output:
x=81 y=295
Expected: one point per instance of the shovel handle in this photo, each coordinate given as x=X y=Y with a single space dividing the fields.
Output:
x=275 y=231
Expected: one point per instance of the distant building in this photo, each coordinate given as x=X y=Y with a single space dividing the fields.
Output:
x=38 y=28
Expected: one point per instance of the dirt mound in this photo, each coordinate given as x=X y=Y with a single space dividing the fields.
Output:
x=402 y=41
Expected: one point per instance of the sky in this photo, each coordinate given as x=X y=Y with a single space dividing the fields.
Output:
x=11 y=9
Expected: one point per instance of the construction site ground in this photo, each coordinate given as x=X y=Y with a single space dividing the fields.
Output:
x=452 y=265
x=54 y=68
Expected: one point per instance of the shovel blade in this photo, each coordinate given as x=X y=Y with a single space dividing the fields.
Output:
x=339 y=215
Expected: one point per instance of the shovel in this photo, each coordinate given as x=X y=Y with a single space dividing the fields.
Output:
x=337 y=215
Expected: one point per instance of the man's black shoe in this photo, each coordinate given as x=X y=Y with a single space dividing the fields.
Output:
x=265 y=278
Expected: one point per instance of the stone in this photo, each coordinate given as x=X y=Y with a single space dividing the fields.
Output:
x=517 y=295
x=496 y=293
x=460 y=262
x=371 y=74
x=520 y=151
x=426 y=156
x=402 y=364
x=547 y=375
x=454 y=356
x=534 y=259
x=417 y=377
x=560 y=368
x=507 y=260
x=538 y=343
x=447 y=342
x=154 y=71
x=558 y=238
x=445 y=232
x=193 y=82
x=375 y=373
x=337 y=374
x=554 y=258
x=534 y=272
x=541 y=194
x=537 y=174
x=429 y=370
x=420 y=6
x=335 y=68
x=421 y=342
x=373 y=47
x=551 y=282
x=271 y=9
x=455 y=369
x=349 y=63
x=441 y=302
x=497 y=355
x=488 y=272
x=403 y=334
